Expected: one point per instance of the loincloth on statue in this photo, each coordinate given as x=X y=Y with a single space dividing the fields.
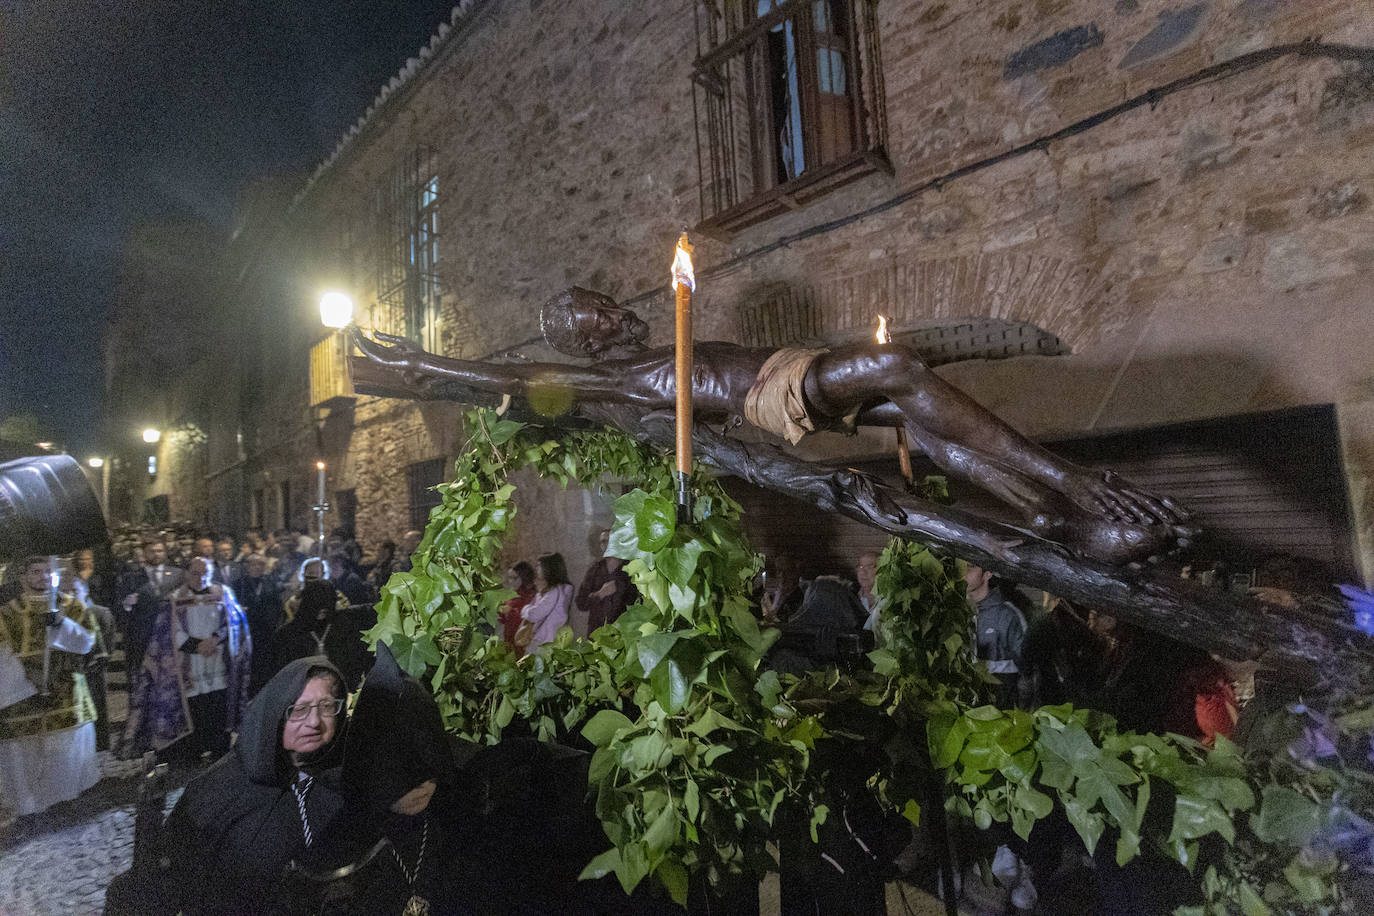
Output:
x=776 y=401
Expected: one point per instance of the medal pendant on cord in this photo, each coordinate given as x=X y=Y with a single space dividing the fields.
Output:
x=416 y=906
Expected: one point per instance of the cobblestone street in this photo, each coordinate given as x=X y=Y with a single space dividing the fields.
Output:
x=60 y=861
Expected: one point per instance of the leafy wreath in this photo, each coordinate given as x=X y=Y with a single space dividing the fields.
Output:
x=698 y=746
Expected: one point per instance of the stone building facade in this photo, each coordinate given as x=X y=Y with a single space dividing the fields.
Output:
x=1176 y=194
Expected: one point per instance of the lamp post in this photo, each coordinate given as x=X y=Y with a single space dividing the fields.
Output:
x=321 y=505
x=336 y=311
x=96 y=463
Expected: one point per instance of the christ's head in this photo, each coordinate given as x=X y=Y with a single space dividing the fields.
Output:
x=579 y=322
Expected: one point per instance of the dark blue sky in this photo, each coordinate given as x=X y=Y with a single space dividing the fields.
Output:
x=119 y=114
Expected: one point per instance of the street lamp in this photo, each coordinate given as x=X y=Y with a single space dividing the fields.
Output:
x=336 y=309
x=96 y=463
x=151 y=435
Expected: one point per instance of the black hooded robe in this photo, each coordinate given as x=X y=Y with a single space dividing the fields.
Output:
x=238 y=825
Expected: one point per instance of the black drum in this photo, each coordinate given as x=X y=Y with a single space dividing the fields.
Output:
x=47 y=507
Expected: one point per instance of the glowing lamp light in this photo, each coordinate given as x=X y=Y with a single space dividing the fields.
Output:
x=151 y=435
x=319 y=465
x=96 y=462
x=336 y=309
x=45 y=446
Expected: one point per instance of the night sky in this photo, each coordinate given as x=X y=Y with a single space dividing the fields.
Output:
x=115 y=115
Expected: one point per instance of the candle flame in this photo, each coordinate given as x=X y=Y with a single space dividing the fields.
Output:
x=883 y=335
x=683 y=275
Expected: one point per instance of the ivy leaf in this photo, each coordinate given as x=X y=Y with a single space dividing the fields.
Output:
x=654 y=523
x=1251 y=904
x=603 y=762
x=746 y=627
x=946 y=740
x=651 y=649
x=691 y=800
x=602 y=727
x=678 y=563
x=503 y=431
x=1101 y=782
x=602 y=865
x=684 y=600
x=1310 y=885
x=1088 y=824
x=1233 y=793
x=1196 y=817
x=632 y=867
x=671 y=687
x=884 y=662
x=912 y=812
x=768 y=687
x=1286 y=817
x=673 y=877
x=661 y=835
x=414 y=653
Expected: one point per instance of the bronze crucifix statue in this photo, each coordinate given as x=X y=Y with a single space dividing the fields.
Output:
x=791 y=392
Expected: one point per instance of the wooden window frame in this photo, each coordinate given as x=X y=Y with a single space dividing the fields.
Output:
x=739 y=153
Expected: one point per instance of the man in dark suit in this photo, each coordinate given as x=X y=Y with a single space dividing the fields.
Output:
x=144 y=590
x=260 y=597
x=227 y=572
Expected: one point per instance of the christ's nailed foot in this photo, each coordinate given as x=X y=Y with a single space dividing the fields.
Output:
x=1107 y=496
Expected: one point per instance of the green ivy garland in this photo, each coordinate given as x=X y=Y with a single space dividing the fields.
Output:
x=696 y=748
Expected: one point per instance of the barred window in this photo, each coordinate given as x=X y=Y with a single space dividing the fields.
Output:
x=406 y=211
x=788 y=100
x=421 y=479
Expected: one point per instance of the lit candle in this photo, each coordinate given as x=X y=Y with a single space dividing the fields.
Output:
x=684 y=282
x=903 y=453
x=319 y=468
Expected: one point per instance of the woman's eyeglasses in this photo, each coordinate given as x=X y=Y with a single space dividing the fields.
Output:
x=328 y=710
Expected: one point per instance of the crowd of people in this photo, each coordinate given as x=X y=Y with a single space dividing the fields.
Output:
x=241 y=654
x=204 y=622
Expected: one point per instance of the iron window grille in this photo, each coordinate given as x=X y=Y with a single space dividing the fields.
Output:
x=788 y=102
x=421 y=479
x=406 y=211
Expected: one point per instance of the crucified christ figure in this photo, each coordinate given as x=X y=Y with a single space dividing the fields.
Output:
x=791 y=392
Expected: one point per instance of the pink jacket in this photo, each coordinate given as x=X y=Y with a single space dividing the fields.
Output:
x=548 y=612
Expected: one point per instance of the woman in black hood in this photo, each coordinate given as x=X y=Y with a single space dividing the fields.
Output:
x=321 y=627
x=396 y=760
x=272 y=799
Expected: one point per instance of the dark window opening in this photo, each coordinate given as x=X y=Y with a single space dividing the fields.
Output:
x=157 y=510
x=346 y=503
x=421 y=479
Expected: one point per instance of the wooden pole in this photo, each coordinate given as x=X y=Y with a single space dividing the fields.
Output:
x=683 y=284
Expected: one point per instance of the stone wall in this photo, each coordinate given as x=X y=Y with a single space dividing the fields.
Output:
x=1204 y=253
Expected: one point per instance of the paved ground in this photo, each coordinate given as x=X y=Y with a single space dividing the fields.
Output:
x=59 y=861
